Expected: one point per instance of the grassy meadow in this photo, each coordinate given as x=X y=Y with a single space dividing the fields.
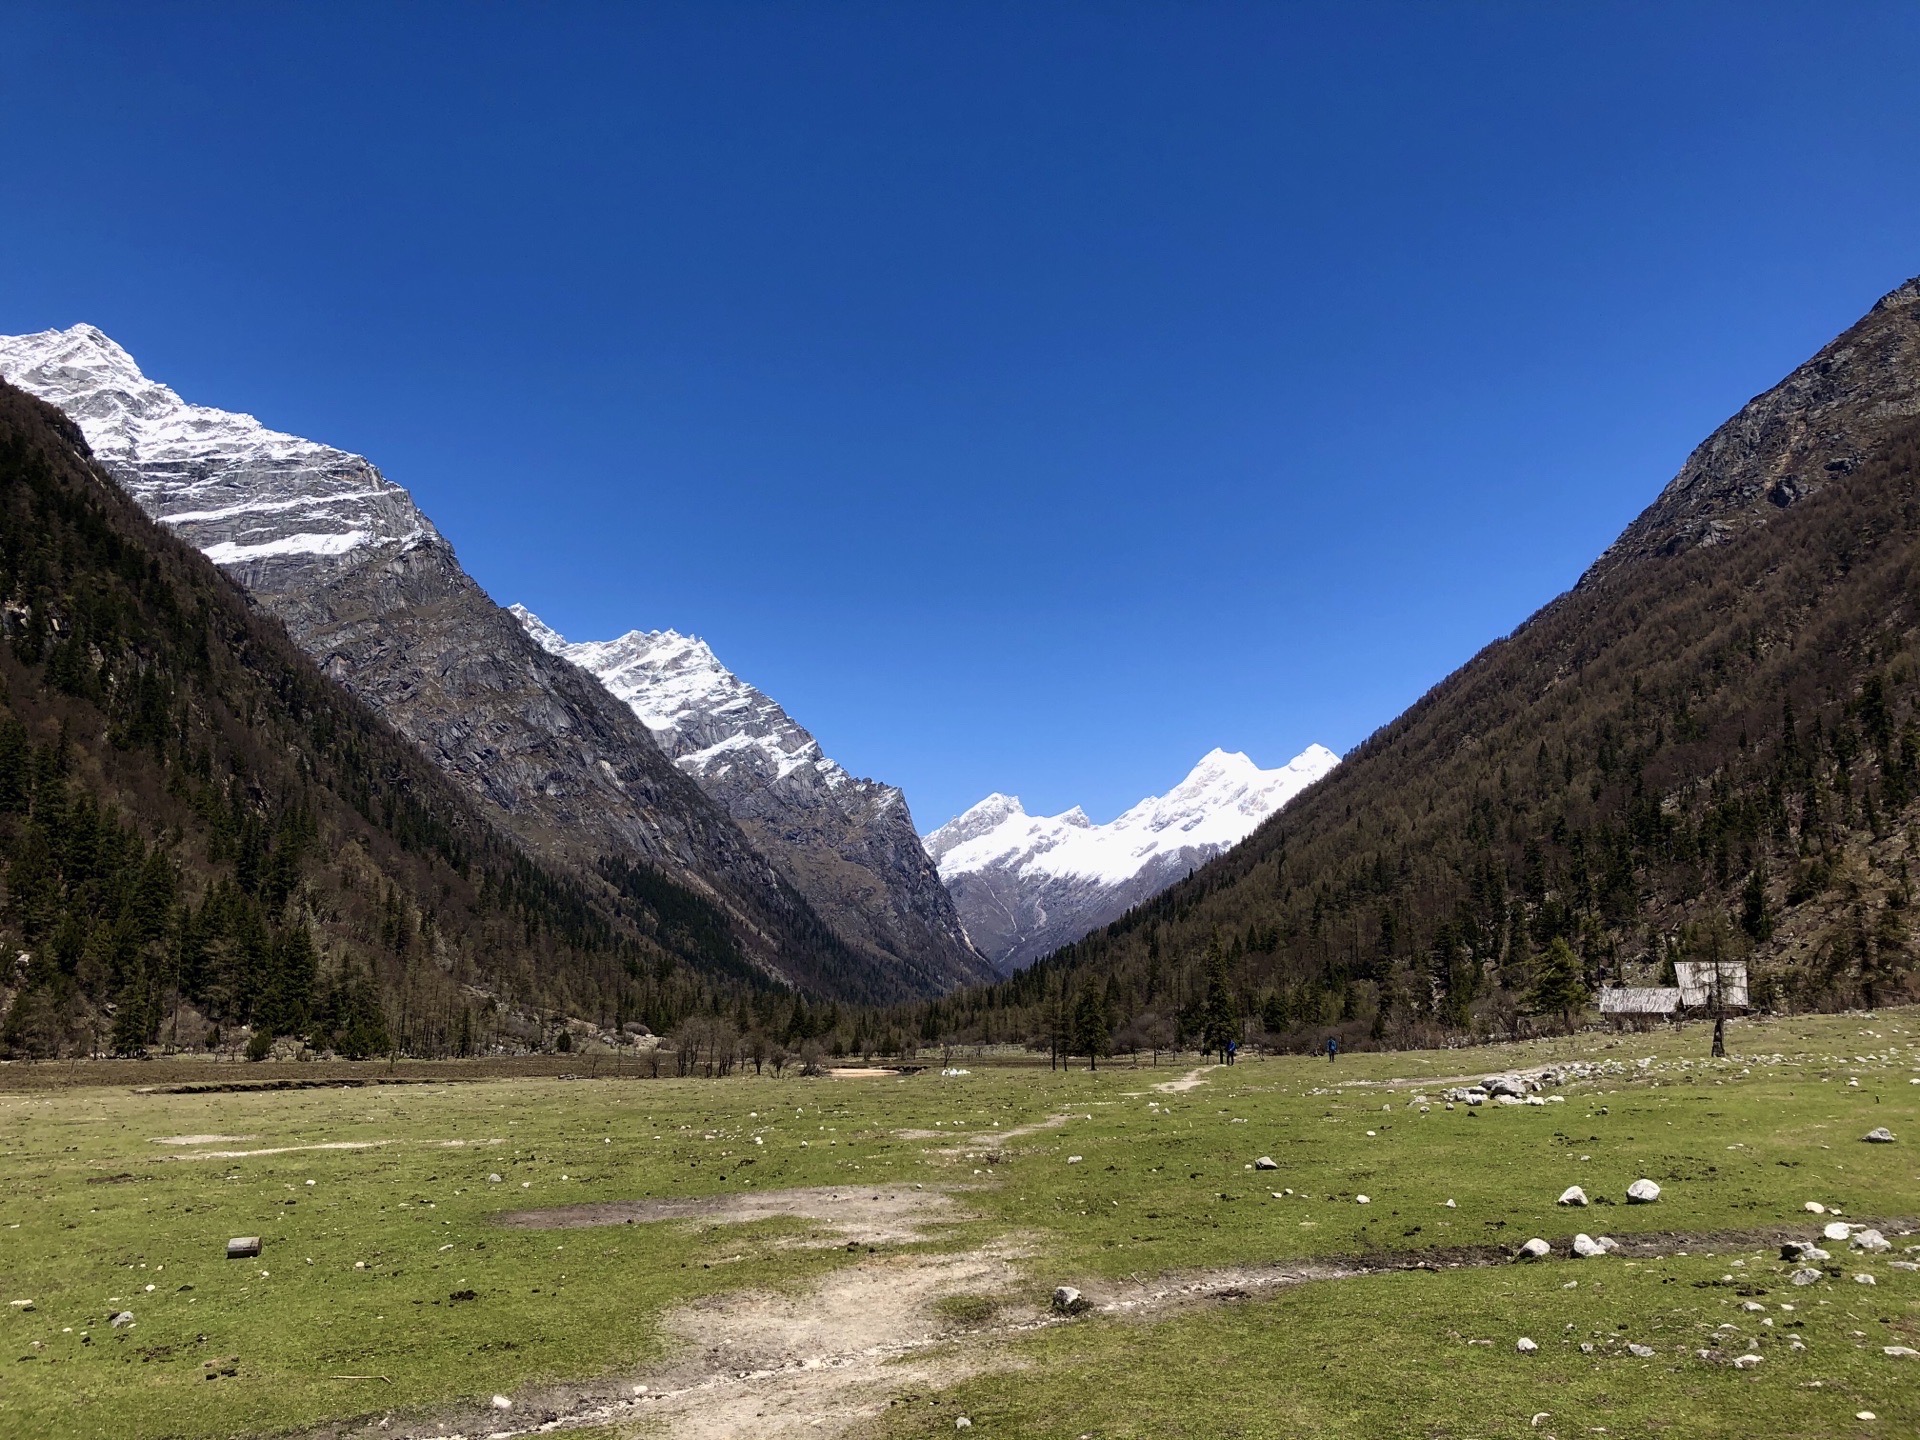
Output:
x=376 y=1209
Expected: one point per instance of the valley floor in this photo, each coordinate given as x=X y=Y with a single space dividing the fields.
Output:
x=874 y=1256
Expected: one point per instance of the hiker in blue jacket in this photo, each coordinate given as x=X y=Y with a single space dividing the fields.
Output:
x=1333 y=1047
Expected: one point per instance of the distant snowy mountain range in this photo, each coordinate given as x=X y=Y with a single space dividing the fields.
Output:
x=1027 y=884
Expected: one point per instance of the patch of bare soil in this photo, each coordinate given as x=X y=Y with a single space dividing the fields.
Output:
x=891 y=1215
x=201 y=1139
x=821 y=1362
x=1192 y=1080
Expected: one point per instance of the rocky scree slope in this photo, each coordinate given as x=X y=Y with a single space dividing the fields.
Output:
x=369 y=589
x=1710 y=747
x=198 y=829
x=1027 y=884
x=847 y=844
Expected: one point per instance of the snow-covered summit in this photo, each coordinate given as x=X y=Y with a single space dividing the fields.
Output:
x=1026 y=884
x=848 y=844
x=242 y=493
x=704 y=716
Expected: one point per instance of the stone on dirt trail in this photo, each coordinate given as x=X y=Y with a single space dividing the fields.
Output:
x=1069 y=1301
x=243 y=1247
x=501 y=1402
x=1879 y=1135
x=1642 y=1192
x=1535 y=1249
x=1838 y=1230
x=1586 y=1247
x=1572 y=1195
x=1266 y=1162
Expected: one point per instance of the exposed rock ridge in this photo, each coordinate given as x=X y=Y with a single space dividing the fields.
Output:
x=846 y=843
x=1785 y=444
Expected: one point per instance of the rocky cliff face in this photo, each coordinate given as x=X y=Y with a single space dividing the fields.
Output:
x=1027 y=884
x=1785 y=445
x=847 y=844
x=368 y=588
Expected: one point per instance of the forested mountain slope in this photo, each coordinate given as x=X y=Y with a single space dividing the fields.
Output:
x=1711 y=746
x=198 y=829
x=376 y=596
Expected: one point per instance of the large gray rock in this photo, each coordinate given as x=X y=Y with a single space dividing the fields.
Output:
x=1879 y=1135
x=1642 y=1192
x=1535 y=1249
x=1572 y=1195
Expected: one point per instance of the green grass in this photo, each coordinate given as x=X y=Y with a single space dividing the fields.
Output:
x=1388 y=1356
x=92 y=1211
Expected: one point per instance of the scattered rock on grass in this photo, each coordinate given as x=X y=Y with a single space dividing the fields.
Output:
x=1586 y=1247
x=1864 y=1279
x=1838 y=1230
x=1805 y=1277
x=1644 y=1352
x=1879 y=1135
x=1642 y=1192
x=1572 y=1195
x=1814 y=1207
x=1746 y=1362
x=1069 y=1301
x=243 y=1247
x=1900 y=1352
x=1535 y=1249
x=1266 y=1162
x=1525 y=1346
x=1871 y=1240
x=125 y=1317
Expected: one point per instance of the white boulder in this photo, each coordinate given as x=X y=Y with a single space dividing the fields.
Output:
x=1572 y=1195
x=1642 y=1192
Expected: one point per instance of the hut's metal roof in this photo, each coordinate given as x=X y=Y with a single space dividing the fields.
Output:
x=1639 y=1000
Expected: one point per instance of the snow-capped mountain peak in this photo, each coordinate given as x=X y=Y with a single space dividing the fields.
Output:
x=1026 y=884
x=704 y=716
x=244 y=494
x=849 y=842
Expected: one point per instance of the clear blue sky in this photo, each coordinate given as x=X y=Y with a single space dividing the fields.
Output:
x=1030 y=397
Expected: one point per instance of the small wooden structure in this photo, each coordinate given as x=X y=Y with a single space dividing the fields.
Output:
x=1712 y=985
x=243 y=1247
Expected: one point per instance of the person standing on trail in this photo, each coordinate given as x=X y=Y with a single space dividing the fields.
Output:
x=1233 y=1049
x=1333 y=1047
